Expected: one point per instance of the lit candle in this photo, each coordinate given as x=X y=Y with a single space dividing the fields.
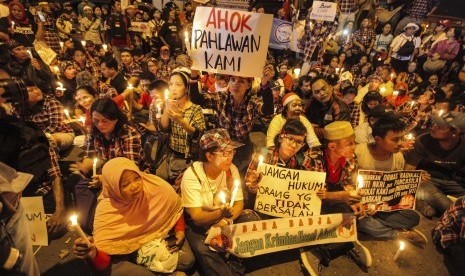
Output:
x=379 y=59
x=78 y=229
x=56 y=70
x=105 y=47
x=82 y=120
x=223 y=197
x=186 y=41
x=297 y=72
x=66 y=111
x=62 y=44
x=260 y=161
x=441 y=112
x=337 y=70
x=94 y=167
x=392 y=76
x=166 y=95
x=410 y=136
x=130 y=86
x=234 y=193
x=382 y=90
x=412 y=104
x=345 y=32
x=13 y=25
x=83 y=42
x=395 y=93
x=158 y=111
x=359 y=183
x=401 y=248
x=29 y=53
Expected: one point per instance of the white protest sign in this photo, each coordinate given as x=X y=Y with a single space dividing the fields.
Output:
x=140 y=27
x=288 y=193
x=261 y=237
x=230 y=42
x=233 y=4
x=35 y=219
x=322 y=10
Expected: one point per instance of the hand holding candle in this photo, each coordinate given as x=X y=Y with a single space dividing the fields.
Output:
x=78 y=229
x=94 y=167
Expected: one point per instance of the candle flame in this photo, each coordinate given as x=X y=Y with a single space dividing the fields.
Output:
x=130 y=86
x=82 y=119
x=441 y=112
x=382 y=89
x=395 y=93
x=66 y=111
x=410 y=136
x=223 y=197
x=402 y=245
x=105 y=47
x=83 y=42
x=73 y=219
x=95 y=161
x=166 y=94
x=237 y=183
x=360 y=181
x=297 y=71
x=260 y=159
x=60 y=85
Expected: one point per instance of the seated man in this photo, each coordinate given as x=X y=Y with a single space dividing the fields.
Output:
x=385 y=155
x=440 y=153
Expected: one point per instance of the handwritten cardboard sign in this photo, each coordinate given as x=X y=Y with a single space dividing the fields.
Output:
x=261 y=237
x=288 y=193
x=322 y=10
x=387 y=191
x=230 y=42
x=140 y=27
x=35 y=219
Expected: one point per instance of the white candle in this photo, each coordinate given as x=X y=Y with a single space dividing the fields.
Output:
x=234 y=193
x=410 y=136
x=395 y=93
x=297 y=72
x=94 y=167
x=82 y=120
x=382 y=90
x=83 y=42
x=166 y=95
x=57 y=71
x=223 y=197
x=105 y=47
x=401 y=248
x=337 y=70
x=66 y=111
x=413 y=103
x=130 y=86
x=440 y=112
x=62 y=44
x=392 y=76
x=260 y=162
x=158 y=111
x=186 y=41
x=12 y=25
x=78 y=229
x=29 y=53
x=359 y=183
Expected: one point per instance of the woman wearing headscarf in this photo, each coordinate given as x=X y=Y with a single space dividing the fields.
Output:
x=134 y=209
x=20 y=26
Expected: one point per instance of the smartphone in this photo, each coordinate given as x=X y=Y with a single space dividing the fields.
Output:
x=41 y=16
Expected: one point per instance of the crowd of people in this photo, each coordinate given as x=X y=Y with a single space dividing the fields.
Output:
x=379 y=88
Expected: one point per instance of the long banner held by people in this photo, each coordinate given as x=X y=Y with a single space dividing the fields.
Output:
x=230 y=42
x=388 y=191
x=288 y=193
x=254 y=238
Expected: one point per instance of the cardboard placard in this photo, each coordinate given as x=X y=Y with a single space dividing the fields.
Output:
x=322 y=10
x=230 y=42
x=36 y=219
x=288 y=193
x=233 y=4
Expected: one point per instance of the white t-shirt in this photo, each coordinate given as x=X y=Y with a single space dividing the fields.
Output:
x=366 y=161
x=276 y=125
x=195 y=194
x=401 y=40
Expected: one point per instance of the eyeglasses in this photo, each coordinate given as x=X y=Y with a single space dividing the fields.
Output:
x=226 y=153
x=293 y=142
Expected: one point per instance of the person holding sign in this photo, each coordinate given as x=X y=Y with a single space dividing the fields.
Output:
x=237 y=108
x=385 y=155
x=205 y=189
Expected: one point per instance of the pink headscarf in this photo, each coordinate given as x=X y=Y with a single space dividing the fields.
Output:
x=121 y=226
x=24 y=19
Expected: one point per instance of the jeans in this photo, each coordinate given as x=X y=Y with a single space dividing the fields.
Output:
x=17 y=230
x=385 y=224
x=436 y=190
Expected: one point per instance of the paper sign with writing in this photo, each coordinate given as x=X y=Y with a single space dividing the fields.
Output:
x=140 y=27
x=322 y=10
x=288 y=193
x=230 y=42
x=390 y=190
x=281 y=33
x=35 y=219
x=261 y=237
x=297 y=34
x=233 y=4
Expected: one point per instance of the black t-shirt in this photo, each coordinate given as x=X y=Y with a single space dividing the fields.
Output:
x=24 y=33
x=443 y=164
x=169 y=32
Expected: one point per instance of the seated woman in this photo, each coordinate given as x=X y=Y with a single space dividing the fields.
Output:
x=48 y=115
x=201 y=187
x=184 y=121
x=293 y=109
x=134 y=209
x=363 y=130
x=385 y=155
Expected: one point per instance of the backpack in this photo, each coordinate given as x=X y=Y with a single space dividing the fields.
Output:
x=118 y=27
x=406 y=49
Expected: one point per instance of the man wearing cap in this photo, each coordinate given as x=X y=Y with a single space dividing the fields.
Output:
x=441 y=153
x=293 y=110
x=324 y=107
x=81 y=7
x=403 y=48
x=237 y=108
x=417 y=13
x=21 y=65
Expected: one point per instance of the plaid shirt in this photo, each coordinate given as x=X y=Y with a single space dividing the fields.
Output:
x=165 y=69
x=311 y=41
x=354 y=113
x=49 y=118
x=451 y=226
x=179 y=138
x=364 y=37
x=91 y=67
x=125 y=144
x=324 y=114
x=133 y=70
x=53 y=173
x=420 y=8
x=237 y=120
x=348 y=6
